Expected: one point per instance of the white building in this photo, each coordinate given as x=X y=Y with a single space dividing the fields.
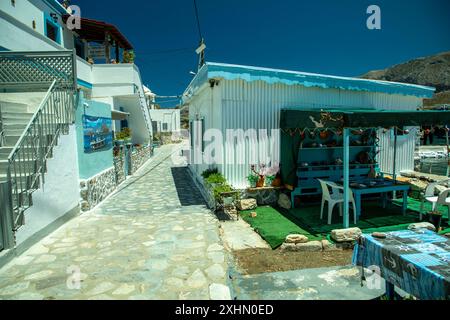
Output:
x=40 y=25
x=37 y=47
x=164 y=119
x=224 y=96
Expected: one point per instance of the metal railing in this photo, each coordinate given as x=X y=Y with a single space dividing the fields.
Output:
x=145 y=111
x=28 y=159
x=2 y=130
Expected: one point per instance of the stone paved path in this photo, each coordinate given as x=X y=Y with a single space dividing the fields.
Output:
x=154 y=239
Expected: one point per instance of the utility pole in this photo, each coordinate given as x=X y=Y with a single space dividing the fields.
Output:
x=201 y=53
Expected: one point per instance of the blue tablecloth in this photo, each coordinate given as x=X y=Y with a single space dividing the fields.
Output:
x=416 y=261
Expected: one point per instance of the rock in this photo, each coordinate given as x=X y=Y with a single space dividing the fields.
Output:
x=345 y=235
x=422 y=225
x=215 y=272
x=214 y=247
x=247 y=204
x=197 y=279
x=253 y=214
x=101 y=288
x=289 y=247
x=447 y=235
x=230 y=211
x=124 y=289
x=14 y=288
x=329 y=246
x=296 y=238
x=219 y=292
x=39 y=275
x=284 y=201
x=311 y=246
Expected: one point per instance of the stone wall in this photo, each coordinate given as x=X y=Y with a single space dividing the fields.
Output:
x=139 y=157
x=119 y=166
x=96 y=189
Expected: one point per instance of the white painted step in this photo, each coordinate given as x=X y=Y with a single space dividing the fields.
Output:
x=6 y=106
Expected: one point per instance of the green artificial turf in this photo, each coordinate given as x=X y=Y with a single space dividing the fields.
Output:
x=273 y=227
x=274 y=224
x=414 y=205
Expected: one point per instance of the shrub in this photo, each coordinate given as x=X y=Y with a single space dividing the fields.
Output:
x=216 y=178
x=209 y=172
x=219 y=189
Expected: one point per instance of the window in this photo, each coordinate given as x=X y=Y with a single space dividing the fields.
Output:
x=52 y=33
x=155 y=126
x=13 y=3
x=165 y=126
x=52 y=28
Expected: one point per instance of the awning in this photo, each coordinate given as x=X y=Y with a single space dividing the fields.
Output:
x=315 y=119
x=119 y=115
x=95 y=31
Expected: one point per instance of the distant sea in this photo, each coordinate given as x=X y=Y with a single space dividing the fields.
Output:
x=434 y=166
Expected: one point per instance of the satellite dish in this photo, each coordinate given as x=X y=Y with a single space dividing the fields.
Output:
x=201 y=48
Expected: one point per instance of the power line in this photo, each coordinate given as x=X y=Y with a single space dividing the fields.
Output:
x=198 y=20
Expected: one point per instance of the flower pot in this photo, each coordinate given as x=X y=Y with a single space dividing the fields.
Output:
x=276 y=182
x=435 y=220
x=261 y=182
x=269 y=181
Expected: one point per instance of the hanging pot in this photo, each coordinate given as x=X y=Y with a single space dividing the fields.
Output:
x=324 y=135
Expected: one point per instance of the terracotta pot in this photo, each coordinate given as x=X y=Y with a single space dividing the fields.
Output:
x=261 y=182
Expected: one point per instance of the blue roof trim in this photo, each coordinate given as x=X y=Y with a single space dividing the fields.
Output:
x=272 y=76
x=84 y=84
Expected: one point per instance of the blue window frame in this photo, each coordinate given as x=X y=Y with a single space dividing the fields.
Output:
x=52 y=29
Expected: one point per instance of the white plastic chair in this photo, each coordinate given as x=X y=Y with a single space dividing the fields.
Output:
x=336 y=197
x=429 y=195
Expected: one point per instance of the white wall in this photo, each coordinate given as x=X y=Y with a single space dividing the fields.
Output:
x=239 y=104
x=169 y=116
x=60 y=193
x=16 y=25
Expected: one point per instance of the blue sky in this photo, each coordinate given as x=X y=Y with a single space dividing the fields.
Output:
x=322 y=36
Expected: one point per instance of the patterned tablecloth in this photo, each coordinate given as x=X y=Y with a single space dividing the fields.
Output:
x=416 y=261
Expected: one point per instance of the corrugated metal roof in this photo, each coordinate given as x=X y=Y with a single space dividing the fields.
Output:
x=213 y=70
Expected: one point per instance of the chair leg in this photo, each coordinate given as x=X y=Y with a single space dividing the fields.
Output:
x=433 y=207
x=422 y=204
x=321 y=209
x=340 y=209
x=330 y=211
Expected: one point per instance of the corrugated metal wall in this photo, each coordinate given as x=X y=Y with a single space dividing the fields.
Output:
x=257 y=104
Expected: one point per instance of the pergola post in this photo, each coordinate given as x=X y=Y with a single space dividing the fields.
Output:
x=346 y=176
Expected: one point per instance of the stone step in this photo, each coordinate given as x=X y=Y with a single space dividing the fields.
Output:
x=23 y=182
x=7 y=106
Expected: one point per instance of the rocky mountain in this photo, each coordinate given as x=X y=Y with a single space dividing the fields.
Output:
x=431 y=71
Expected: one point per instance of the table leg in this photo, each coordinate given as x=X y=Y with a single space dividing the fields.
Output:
x=405 y=202
x=358 y=204
x=383 y=200
x=390 y=291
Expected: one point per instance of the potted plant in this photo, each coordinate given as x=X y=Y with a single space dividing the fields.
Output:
x=271 y=174
x=435 y=219
x=253 y=179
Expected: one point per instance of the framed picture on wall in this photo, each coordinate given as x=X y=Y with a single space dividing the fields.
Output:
x=97 y=134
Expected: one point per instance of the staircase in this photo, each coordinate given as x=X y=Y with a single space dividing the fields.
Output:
x=15 y=117
x=28 y=134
